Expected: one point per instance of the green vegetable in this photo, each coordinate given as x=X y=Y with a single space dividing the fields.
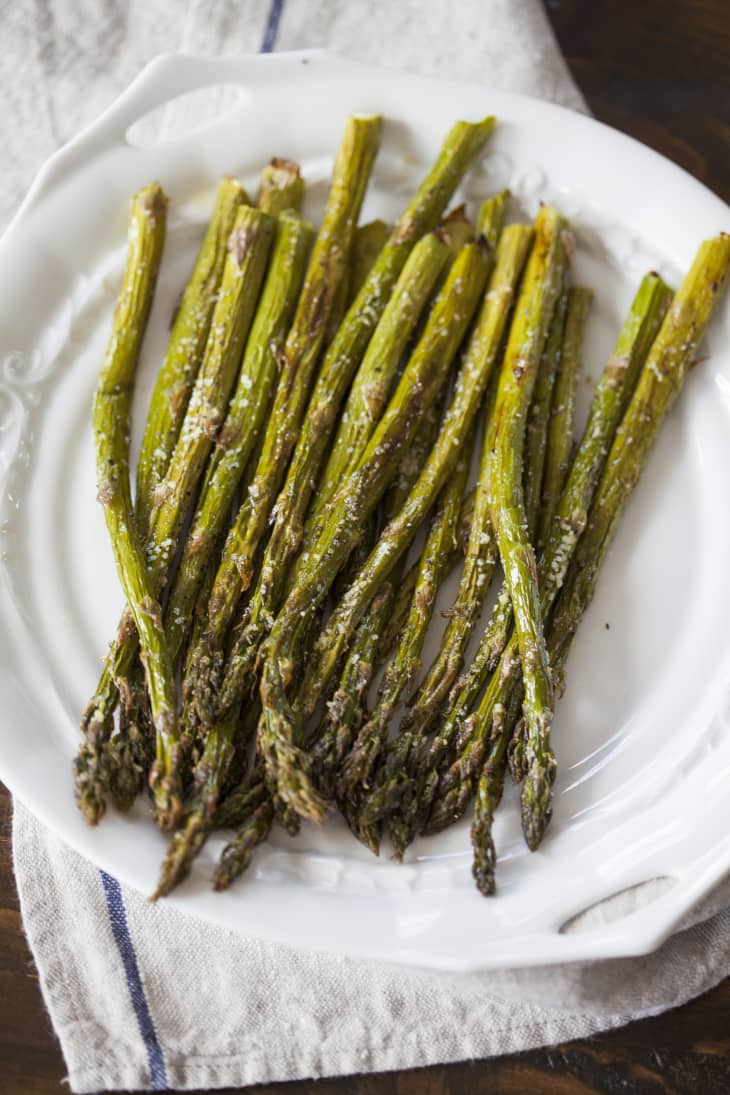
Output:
x=356 y=499
x=281 y=188
x=112 y=407
x=607 y=406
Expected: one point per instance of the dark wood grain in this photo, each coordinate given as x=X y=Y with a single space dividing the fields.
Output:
x=659 y=70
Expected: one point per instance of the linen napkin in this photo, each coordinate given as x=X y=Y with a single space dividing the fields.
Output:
x=143 y=997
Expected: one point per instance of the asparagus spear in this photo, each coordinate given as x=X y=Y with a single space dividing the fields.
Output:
x=669 y=360
x=557 y=443
x=373 y=381
x=245 y=421
x=243 y=271
x=404 y=593
x=560 y=437
x=368 y=396
x=481 y=557
x=462 y=143
x=184 y=355
x=374 y=377
x=362 y=245
x=324 y=273
x=403 y=825
x=359 y=765
x=345 y=709
x=517 y=379
x=662 y=378
x=304 y=341
x=281 y=187
x=545 y=401
x=479 y=358
x=367 y=399
x=491 y=786
x=660 y=382
x=419 y=386
x=167 y=409
x=609 y=402
x=112 y=406
x=238 y=806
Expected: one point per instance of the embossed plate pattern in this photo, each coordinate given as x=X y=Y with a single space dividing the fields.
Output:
x=642 y=734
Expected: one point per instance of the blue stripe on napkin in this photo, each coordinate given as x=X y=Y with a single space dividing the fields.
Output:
x=118 y=919
x=272 y=26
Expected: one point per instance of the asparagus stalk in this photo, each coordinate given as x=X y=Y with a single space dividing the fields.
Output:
x=166 y=412
x=556 y=442
x=238 y=806
x=517 y=380
x=235 y=443
x=476 y=367
x=404 y=825
x=374 y=376
x=358 y=767
x=368 y=397
x=404 y=593
x=481 y=557
x=184 y=355
x=660 y=382
x=245 y=422
x=671 y=356
x=540 y=459
x=324 y=274
x=345 y=709
x=540 y=418
x=373 y=381
x=112 y=407
x=369 y=393
x=462 y=143
x=607 y=406
x=560 y=436
x=669 y=360
x=243 y=271
x=304 y=341
x=491 y=786
x=348 y=288
x=419 y=386
x=281 y=187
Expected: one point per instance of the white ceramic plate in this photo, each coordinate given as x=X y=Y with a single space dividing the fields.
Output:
x=642 y=735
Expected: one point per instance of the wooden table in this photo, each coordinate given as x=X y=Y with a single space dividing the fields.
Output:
x=659 y=70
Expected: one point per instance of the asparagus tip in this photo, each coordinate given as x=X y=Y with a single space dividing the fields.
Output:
x=90 y=783
x=237 y=854
x=184 y=846
x=167 y=792
x=537 y=802
x=485 y=855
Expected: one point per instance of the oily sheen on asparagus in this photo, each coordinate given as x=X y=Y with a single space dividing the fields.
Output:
x=303 y=492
